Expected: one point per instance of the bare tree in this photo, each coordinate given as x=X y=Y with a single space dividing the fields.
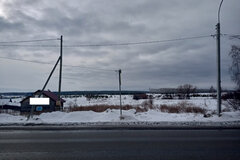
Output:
x=185 y=90
x=212 y=90
x=235 y=67
x=235 y=75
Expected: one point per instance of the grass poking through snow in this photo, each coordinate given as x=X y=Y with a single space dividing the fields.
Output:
x=182 y=107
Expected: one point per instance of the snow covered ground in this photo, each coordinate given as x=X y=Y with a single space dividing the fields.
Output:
x=11 y=101
x=206 y=102
x=113 y=116
x=129 y=115
x=203 y=102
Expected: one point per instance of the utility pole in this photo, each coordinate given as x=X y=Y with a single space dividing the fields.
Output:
x=60 y=79
x=218 y=71
x=32 y=106
x=218 y=34
x=120 y=92
x=60 y=74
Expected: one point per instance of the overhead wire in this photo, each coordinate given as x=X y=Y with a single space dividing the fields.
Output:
x=227 y=34
x=107 y=44
x=90 y=68
x=40 y=62
x=23 y=60
x=28 y=41
x=8 y=43
x=136 y=43
x=36 y=45
x=232 y=36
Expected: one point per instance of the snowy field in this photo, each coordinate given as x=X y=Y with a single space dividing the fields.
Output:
x=10 y=101
x=152 y=115
x=203 y=102
x=206 y=102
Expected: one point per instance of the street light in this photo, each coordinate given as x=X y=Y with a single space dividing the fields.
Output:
x=218 y=34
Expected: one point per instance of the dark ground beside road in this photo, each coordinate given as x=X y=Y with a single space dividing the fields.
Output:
x=120 y=144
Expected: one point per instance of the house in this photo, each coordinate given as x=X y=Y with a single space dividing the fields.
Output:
x=9 y=107
x=140 y=96
x=53 y=106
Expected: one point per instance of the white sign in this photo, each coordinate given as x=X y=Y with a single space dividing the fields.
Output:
x=39 y=101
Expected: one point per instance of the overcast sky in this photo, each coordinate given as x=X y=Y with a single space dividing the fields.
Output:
x=145 y=66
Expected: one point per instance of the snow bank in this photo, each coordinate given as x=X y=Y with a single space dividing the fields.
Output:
x=7 y=118
x=113 y=116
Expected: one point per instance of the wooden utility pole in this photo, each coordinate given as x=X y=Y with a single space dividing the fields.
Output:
x=120 y=92
x=60 y=79
x=60 y=75
x=32 y=106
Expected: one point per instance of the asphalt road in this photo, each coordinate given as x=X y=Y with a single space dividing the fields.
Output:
x=120 y=144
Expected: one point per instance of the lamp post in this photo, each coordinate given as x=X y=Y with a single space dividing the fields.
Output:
x=218 y=34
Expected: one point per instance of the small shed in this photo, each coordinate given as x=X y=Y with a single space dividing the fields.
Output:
x=53 y=106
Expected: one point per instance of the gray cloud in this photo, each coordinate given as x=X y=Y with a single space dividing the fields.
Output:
x=108 y=21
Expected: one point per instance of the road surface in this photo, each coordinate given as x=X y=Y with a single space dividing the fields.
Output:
x=120 y=144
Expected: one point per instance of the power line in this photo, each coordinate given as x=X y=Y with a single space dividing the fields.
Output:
x=27 y=41
x=39 y=62
x=6 y=43
x=226 y=34
x=109 y=44
x=18 y=45
x=232 y=36
x=92 y=68
x=69 y=78
x=136 y=43
x=23 y=60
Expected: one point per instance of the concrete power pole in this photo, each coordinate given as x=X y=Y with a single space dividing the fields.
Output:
x=60 y=74
x=120 y=92
x=218 y=34
x=218 y=71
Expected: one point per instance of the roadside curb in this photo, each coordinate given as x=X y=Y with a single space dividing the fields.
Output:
x=121 y=125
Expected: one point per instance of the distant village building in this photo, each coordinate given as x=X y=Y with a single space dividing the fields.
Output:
x=140 y=96
x=53 y=106
x=163 y=90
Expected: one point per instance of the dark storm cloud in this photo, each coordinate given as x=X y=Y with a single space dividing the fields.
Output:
x=120 y=21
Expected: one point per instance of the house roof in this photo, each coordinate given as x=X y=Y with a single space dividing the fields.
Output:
x=48 y=93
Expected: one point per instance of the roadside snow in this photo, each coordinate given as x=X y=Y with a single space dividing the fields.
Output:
x=7 y=118
x=113 y=116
